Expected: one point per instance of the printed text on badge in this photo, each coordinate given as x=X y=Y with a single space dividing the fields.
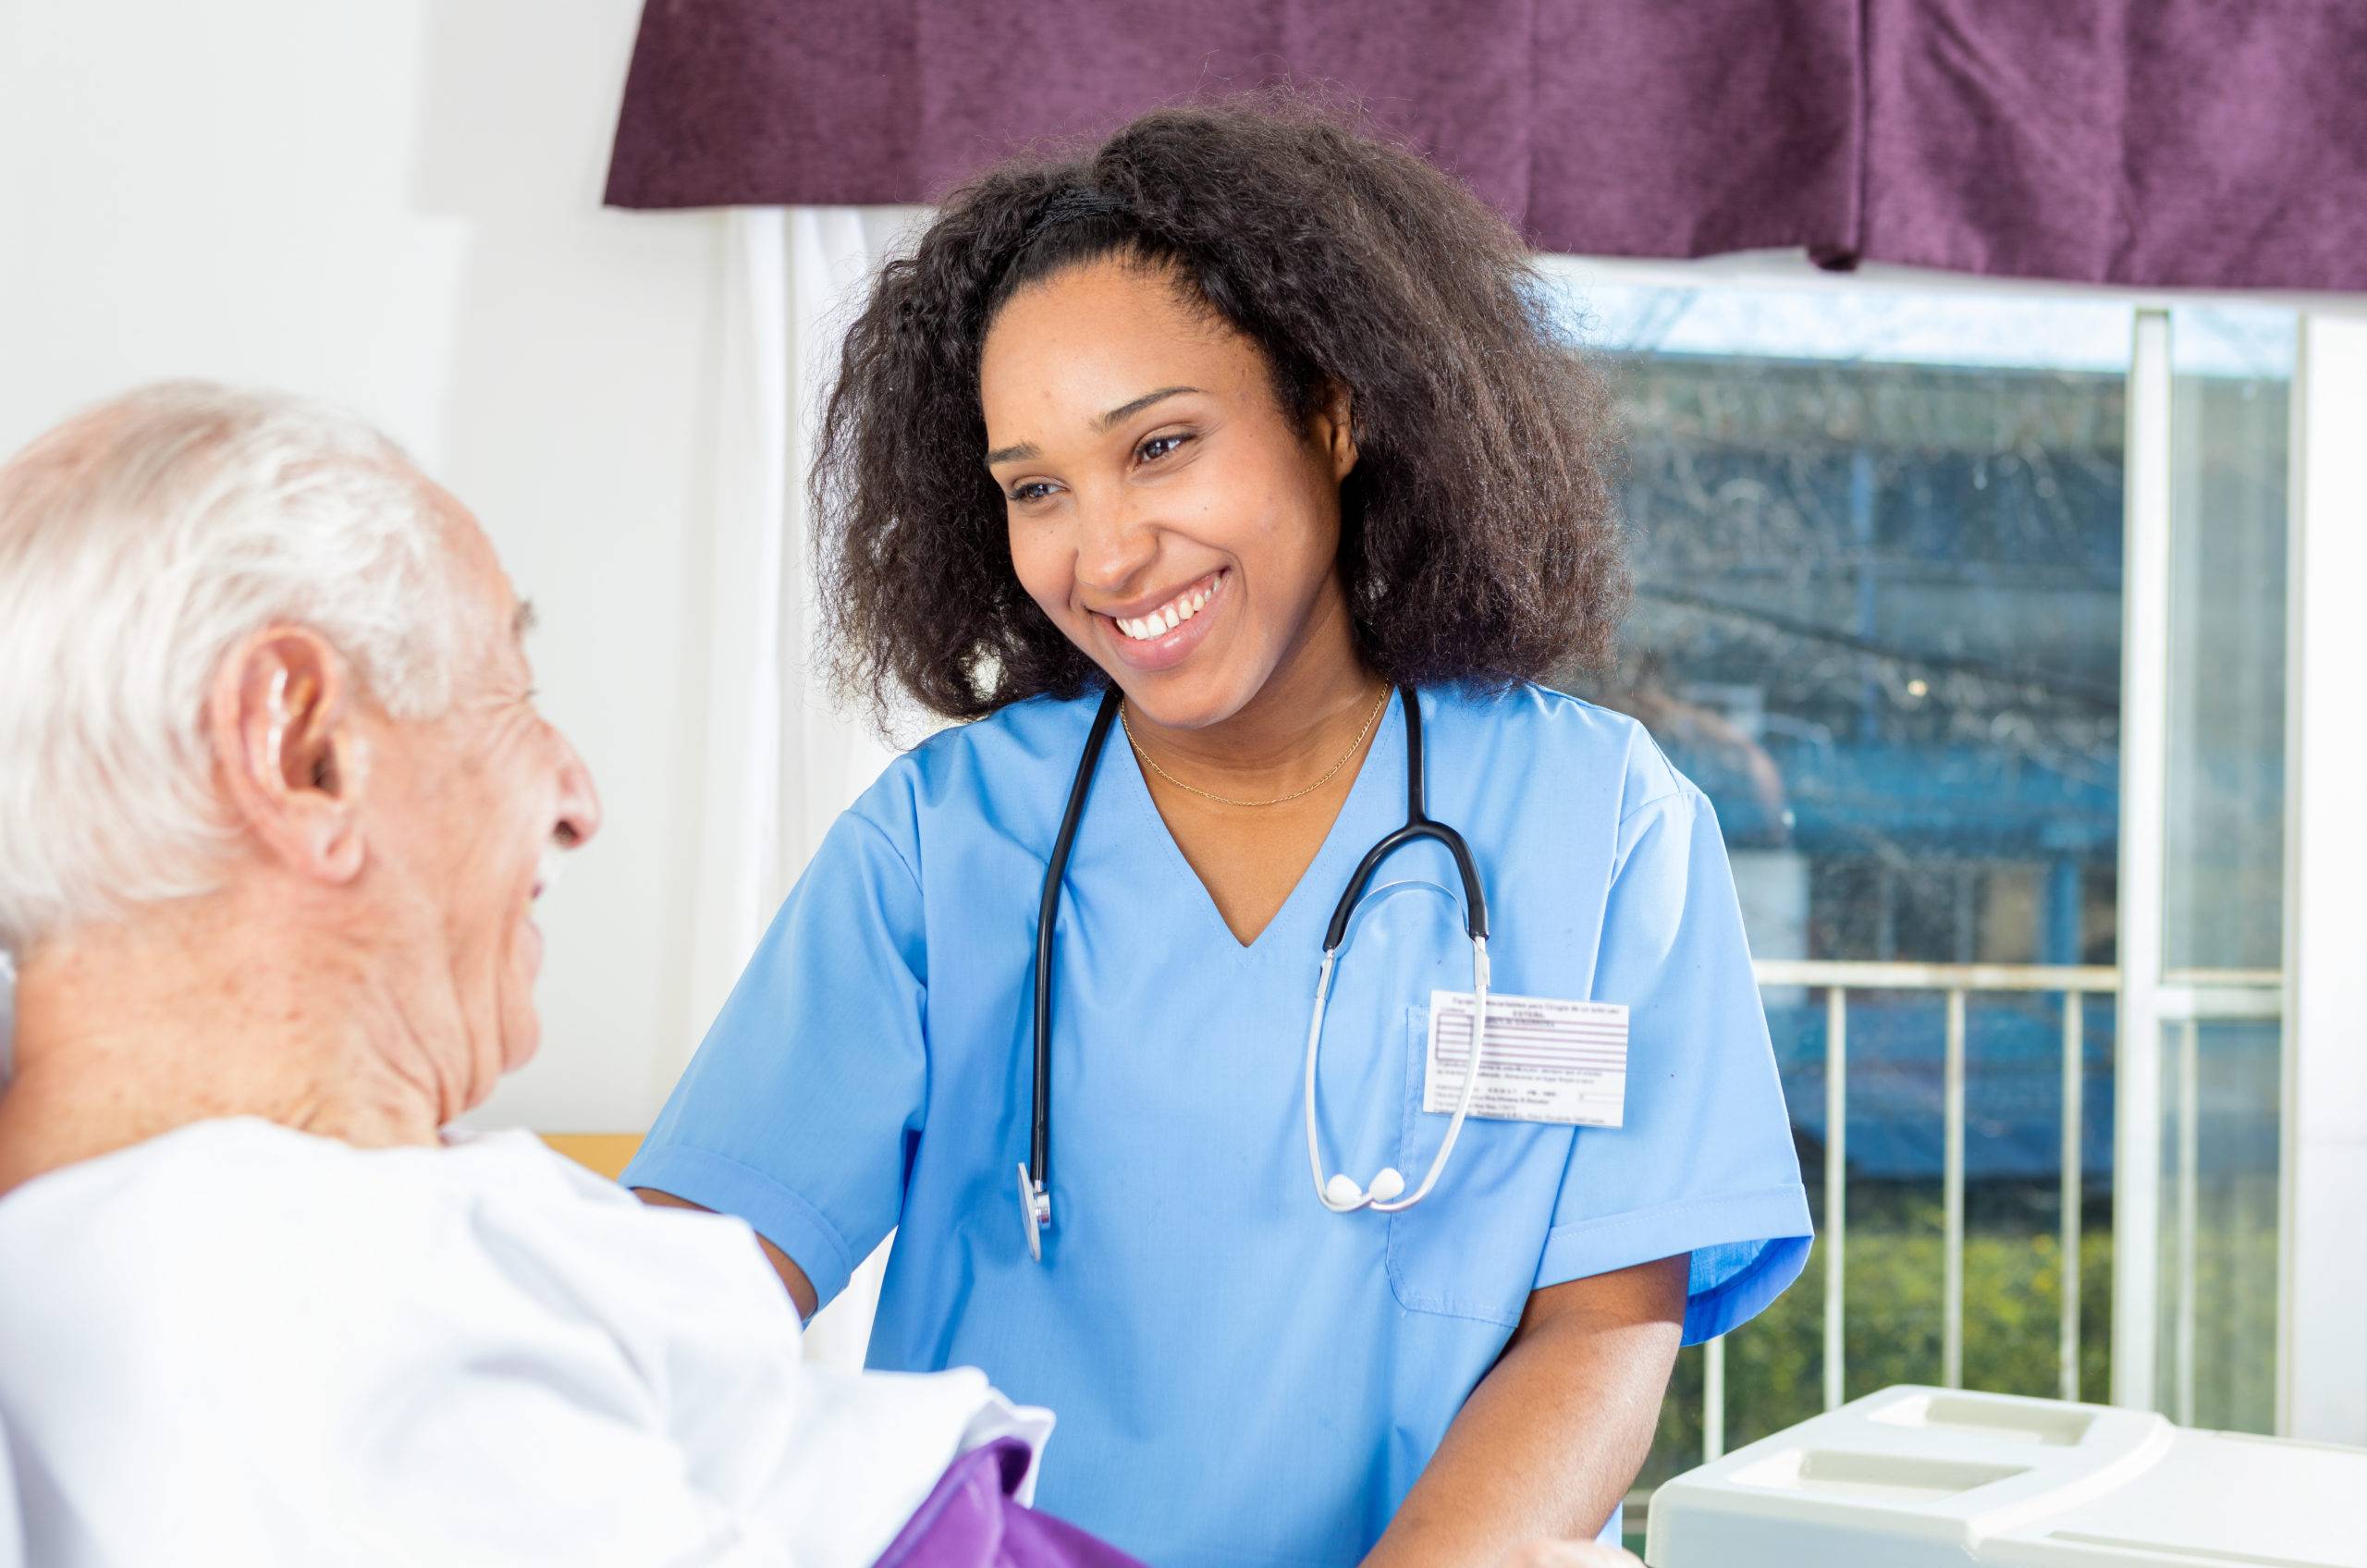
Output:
x=1546 y=1061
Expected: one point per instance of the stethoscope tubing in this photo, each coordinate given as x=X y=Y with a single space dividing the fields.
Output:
x=1048 y=912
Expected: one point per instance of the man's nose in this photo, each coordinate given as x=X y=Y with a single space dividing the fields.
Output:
x=579 y=800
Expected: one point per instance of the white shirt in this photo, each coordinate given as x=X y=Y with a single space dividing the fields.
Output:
x=243 y=1343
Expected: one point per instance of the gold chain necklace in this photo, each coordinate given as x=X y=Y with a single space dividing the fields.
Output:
x=1152 y=763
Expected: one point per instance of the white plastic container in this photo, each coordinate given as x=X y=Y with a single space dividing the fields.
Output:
x=1915 y=1478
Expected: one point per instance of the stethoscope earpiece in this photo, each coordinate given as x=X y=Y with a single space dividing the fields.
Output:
x=1343 y=1196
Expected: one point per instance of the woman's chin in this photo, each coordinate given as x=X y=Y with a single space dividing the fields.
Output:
x=1200 y=694
x=1193 y=704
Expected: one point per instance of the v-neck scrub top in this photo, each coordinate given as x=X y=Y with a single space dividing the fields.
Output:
x=1240 y=1376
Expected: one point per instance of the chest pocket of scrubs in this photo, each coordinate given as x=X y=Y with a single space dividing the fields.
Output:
x=1470 y=1249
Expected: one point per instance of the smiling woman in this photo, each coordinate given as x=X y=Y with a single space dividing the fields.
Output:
x=1328 y=286
x=1252 y=440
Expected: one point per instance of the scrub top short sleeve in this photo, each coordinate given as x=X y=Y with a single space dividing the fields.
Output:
x=1704 y=1163
x=798 y=1109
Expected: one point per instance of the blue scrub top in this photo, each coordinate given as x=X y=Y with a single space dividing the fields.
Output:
x=1241 y=1376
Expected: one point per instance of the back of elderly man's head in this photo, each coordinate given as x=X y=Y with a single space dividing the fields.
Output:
x=139 y=542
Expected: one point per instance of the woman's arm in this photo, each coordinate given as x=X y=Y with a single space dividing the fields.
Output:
x=1547 y=1443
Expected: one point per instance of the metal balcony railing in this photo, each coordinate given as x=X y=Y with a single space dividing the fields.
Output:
x=2186 y=1000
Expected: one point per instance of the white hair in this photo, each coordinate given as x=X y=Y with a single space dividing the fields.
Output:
x=139 y=541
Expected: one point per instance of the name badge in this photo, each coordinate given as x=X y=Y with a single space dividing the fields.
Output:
x=1545 y=1060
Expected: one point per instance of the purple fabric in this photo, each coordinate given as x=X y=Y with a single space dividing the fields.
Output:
x=2218 y=143
x=971 y=1521
x=2207 y=143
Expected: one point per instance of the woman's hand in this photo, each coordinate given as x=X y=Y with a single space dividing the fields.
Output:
x=1571 y=1554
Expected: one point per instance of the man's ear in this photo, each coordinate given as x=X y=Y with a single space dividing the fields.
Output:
x=1335 y=430
x=280 y=718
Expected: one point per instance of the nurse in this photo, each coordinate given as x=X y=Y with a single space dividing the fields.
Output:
x=1258 y=436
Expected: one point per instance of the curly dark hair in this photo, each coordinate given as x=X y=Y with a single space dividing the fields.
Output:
x=1478 y=537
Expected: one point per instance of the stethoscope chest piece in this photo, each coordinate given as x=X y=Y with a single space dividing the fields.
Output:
x=1035 y=1212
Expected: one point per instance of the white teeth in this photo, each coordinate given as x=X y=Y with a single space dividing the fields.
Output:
x=1167 y=618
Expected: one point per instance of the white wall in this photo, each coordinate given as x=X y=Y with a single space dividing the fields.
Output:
x=397 y=205
x=2324 y=1332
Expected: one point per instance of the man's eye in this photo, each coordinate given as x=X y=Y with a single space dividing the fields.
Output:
x=1159 y=447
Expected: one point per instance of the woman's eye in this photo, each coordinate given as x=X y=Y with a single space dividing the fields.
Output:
x=1159 y=447
x=1033 y=490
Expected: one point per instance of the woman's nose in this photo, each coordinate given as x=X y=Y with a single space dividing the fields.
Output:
x=1115 y=542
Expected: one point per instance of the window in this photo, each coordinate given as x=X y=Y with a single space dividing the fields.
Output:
x=1966 y=608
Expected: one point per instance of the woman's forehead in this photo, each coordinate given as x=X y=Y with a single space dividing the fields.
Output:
x=1097 y=337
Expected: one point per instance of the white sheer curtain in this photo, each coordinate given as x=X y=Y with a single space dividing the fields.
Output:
x=779 y=762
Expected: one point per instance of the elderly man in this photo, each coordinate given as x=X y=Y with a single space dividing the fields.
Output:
x=275 y=806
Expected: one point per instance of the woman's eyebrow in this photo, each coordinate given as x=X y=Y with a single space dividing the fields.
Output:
x=1127 y=411
x=1116 y=416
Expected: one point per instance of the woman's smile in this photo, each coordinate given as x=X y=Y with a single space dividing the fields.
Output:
x=1163 y=635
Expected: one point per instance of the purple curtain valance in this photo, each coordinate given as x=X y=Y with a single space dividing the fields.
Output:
x=2215 y=144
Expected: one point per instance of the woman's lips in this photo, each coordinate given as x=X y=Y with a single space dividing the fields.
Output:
x=1170 y=648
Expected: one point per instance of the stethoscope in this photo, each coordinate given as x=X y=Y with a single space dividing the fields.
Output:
x=1386 y=1192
